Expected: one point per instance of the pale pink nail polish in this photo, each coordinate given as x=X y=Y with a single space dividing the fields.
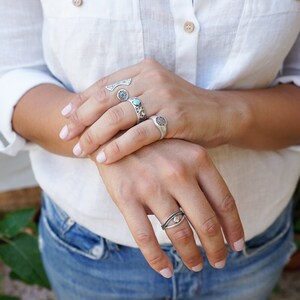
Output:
x=64 y=132
x=77 y=150
x=66 y=110
x=197 y=268
x=239 y=245
x=220 y=264
x=101 y=158
x=167 y=273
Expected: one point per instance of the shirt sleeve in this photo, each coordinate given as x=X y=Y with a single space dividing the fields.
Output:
x=290 y=72
x=22 y=65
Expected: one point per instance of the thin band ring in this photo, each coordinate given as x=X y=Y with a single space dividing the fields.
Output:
x=161 y=124
x=113 y=86
x=174 y=219
x=138 y=108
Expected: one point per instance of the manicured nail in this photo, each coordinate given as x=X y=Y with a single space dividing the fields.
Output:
x=77 y=150
x=64 y=132
x=220 y=264
x=239 y=245
x=66 y=110
x=167 y=273
x=101 y=158
x=197 y=268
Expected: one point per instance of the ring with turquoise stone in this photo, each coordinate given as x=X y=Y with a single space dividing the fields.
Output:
x=138 y=108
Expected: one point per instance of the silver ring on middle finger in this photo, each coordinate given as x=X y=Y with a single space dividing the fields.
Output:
x=174 y=219
x=138 y=108
x=122 y=95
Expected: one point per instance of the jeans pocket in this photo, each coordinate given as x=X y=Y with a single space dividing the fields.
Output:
x=279 y=231
x=70 y=235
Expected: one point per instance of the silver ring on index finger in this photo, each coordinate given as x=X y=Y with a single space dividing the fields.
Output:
x=113 y=86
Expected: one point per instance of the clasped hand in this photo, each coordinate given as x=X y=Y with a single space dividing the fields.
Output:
x=148 y=176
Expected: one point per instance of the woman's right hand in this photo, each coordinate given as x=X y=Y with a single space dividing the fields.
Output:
x=162 y=178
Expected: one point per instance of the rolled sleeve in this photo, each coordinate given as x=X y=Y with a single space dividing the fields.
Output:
x=22 y=65
x=13 y=85
x=290 y=72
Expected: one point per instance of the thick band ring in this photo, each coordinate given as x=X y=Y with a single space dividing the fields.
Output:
x=161 y=123
x=174 y=219
x=113 y=86
x=122 y=95
x=138 y=108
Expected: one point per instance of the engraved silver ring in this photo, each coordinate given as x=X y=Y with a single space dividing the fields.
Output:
x=113 y=86
x=138 y=108
x=174 y=219
x=161 y=124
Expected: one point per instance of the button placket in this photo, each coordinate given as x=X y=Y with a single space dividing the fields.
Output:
x=77 y=2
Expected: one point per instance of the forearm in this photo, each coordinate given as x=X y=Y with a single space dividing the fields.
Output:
x=262 y=119
x=37 y=118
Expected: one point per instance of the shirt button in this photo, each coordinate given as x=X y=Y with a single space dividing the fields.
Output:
x=77 y=2
x=189 y=27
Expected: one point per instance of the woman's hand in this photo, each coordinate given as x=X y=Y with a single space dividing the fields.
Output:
x=162 y=178
x=193 y=114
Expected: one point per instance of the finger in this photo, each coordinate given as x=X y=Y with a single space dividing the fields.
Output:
x=223 y=203
x=130 y=141
x=86 y=107
x=181 y=236
x=117 y=118
x=204 y=221
x=145 y=238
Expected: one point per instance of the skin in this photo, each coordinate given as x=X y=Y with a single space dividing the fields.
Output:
x=172 y=173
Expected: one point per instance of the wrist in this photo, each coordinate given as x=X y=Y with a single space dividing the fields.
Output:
x=235 y=117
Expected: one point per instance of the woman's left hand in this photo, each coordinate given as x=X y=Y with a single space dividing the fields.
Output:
x=192 y=113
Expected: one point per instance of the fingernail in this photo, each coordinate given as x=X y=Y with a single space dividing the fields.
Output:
x=101 y=158
x=197 y=268
x=239 y=245
x=167 y=273
x=64 y=132
x=220 y=264
x=77 y=150
x=66 y=110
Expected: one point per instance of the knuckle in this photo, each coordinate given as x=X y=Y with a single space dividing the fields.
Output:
x=156 y=261
x=210 y=227
x=89 y=138
x=140 y=133
x=176 y=172
x=102 y=82
x=148 y=62
x=76 y=118
x=218 y=254
x=114 y=148
x=143 y=239
x=101 y=95
x=124 y=193
x=183 y=236
x=115 y=115
x=228 y=204
x=149 y=186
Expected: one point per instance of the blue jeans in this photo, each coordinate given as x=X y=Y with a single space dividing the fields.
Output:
x=84 y=266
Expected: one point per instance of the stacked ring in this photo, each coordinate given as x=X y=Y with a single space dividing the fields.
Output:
x=161 y=124
x=174 y=219
x=138 y=108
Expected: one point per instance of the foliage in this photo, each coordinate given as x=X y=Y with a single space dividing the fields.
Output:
x=19 y=248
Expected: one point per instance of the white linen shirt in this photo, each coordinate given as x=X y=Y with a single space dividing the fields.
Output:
x=220 y=44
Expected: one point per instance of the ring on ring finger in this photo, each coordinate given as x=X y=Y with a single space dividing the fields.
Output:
x=174 y=219
x=161 y=124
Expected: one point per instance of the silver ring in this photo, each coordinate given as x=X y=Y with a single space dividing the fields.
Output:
x=113 y=86
x=122 y=95
x=138 y=108
x=174 y=219
x=161 y=123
